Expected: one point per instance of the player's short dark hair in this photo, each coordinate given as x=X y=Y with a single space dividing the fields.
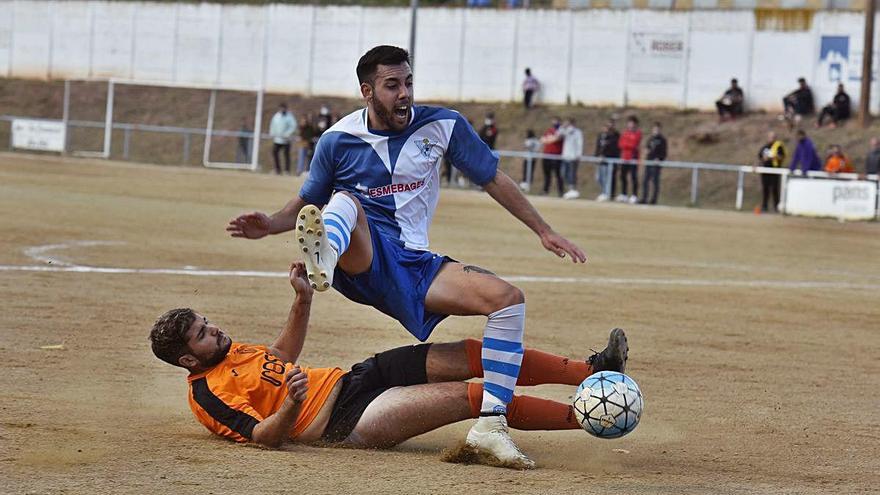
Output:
x=168 y=335
x=633 y=119
x=657 y=124
x=379 y=55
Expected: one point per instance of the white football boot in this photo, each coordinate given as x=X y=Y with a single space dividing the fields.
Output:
x=489 y=437
x=320 y=258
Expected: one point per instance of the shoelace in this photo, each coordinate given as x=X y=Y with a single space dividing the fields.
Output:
x=593 y=357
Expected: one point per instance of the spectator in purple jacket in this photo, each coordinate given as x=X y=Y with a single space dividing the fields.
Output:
x=805 y=155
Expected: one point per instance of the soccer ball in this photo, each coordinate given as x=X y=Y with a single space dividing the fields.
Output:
x=608 y=404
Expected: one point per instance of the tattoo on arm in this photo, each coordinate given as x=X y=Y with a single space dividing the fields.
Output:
x=476 y=269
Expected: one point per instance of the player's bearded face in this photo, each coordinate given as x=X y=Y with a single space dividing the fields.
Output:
x=207 y=342
x=390 y=97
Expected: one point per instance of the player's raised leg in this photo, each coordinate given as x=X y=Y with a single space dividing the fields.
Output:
x=459 y=361
x=463 y=290
x=401 y=413
x=338 y=235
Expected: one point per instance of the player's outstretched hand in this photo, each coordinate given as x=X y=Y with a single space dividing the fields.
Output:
x=252 y=225
x=560 y=246
x=297 y=385
x=299 y=279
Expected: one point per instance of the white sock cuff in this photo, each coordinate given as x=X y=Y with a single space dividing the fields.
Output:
x=510 y=311
x=345 y=207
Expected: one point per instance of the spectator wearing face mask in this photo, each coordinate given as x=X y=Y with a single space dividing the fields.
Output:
x=489 y=132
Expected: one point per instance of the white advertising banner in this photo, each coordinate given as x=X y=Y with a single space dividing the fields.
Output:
x=42 y=135
x=847 y=199
x=656 y=57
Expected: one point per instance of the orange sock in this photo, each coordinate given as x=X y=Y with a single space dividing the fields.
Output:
x=528 y=413
x=537 y=367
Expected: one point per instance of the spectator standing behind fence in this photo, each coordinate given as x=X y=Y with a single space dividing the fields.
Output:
x=306 y=143
x=839 y=109
x=281 y=128
x=532 y=145
x=552 y=141
x=629 y=143
x=530 y=88
x=798 y=104
x=243 y=150
x=805 y=157
x=323 y=122
x=572 y=149
x=772 y=155
x=656 y=153
x=730 y=106
x=607 y=147
x=489 y=132
x=872 y=162
x=837 y=161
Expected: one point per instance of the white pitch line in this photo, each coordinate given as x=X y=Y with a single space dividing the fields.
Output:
x=38 y=252
x=679 y=282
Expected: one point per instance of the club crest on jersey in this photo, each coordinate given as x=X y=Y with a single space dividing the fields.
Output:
x=425 y=145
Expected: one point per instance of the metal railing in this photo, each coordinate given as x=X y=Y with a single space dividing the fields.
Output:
x=695 y=167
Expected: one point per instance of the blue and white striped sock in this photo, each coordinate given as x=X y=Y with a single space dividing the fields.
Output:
x=502 y=356
x=340 y=218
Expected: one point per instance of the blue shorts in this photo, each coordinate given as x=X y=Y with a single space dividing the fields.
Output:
x=396 y=283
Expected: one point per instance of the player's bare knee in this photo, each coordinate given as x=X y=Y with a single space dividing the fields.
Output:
x=506 y=297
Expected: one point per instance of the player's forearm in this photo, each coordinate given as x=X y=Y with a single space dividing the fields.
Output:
x=273 y=430
x=284 y=220
x=289 y=343
x=507 y=194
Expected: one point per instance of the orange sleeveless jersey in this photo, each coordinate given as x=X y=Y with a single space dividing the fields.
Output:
x=248 y=386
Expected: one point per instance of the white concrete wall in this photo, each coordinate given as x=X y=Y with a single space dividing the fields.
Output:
x=601 y=57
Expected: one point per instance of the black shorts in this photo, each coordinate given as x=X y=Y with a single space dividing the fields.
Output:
x=367 y=380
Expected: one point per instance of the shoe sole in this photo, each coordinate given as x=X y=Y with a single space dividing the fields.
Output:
x=617 y=341
x=310 y=235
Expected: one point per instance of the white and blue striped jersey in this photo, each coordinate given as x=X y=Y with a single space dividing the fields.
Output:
x=396 y=176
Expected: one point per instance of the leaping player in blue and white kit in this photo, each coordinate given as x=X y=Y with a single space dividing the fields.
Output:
x=377 y=172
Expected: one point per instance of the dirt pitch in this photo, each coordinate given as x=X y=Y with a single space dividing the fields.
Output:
x=754 y=339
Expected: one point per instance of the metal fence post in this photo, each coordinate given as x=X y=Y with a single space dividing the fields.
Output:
x=530 y=172
x=126 y=141
x=695 y=185
x=739 y=189
x=186 y=148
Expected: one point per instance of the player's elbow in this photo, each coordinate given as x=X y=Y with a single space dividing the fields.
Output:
x=266 y=437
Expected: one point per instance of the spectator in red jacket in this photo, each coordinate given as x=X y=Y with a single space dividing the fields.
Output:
x=629 y=144
x=552 y=141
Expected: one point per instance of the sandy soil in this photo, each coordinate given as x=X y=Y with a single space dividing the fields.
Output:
x=754 y=339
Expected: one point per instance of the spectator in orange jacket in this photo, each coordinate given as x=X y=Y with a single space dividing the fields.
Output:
x=837 y=161
x=629 y=144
